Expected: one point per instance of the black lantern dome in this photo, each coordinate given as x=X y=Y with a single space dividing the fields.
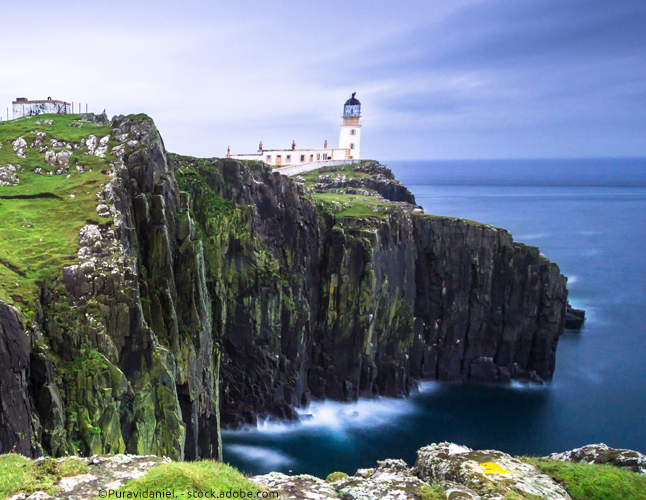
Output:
x=352 y=107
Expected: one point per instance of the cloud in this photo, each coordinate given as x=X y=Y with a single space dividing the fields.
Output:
x=475 y=78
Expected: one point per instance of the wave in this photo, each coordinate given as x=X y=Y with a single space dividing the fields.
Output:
x=331 y=417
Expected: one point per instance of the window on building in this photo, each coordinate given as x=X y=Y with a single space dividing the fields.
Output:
x=318 y=156
x=353 y=132
x=352 y=145
x=325 y=156
x=268 y=158
x=302 y=157
x=311 y=157
x=288 y=159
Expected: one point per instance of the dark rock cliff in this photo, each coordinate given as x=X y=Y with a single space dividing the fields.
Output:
x=15 y=407
x=223 y=290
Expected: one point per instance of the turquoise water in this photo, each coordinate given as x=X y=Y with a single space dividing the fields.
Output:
x=590 y=218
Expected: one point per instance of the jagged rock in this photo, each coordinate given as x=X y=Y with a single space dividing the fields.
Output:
x=89 y=235
x=63 y=158
x=103 y=210
x=391 y=480
x=93 y=118
x=484 y=370
x=40 y=137
x=603 y=454
x=575 y=318
x=60 y=159
x=185 y=227
x=489 y=474
x=19 y=146
x=15 y=407
x=8 y=176
x=102 y=148
x=90 y=142
x=302 y=487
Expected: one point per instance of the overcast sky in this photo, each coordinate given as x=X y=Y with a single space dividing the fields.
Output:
x=437 y=79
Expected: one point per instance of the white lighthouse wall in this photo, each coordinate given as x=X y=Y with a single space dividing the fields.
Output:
x=346 y=139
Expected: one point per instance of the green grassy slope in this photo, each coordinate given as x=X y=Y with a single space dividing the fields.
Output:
x=17 y=474
x=593 y=481
x=39 y=230
x=186 y=478
x=343 y=204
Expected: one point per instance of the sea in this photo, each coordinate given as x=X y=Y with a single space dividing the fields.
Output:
x=588 y=216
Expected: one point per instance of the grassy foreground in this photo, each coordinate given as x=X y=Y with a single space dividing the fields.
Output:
x=184 y=478
x=18 y=474
x=593 y=481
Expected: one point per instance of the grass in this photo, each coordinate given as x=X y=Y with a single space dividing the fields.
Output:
x=18 y=474
x=435 y=492
x=353 y=205
x=593 y=481
x=335 y=476
x=312 y=176
x=185 y=478
x=39 y=235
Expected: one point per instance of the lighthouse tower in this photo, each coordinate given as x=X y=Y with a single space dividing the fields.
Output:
x=351 y=128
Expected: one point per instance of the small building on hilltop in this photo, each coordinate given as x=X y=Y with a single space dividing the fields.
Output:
x=24 y=107
x=349 y=144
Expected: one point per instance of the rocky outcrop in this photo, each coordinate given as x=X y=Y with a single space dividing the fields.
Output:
x=442 y=470
x=380 y=179
x=575 y=318
x=603 y=454
x=486 y=307
x=485 y=474
x=390 y=479
x=15 y=407
x=104 y=474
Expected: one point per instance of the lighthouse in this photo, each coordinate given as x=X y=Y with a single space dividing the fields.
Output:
x=347 y=152
x=351 y=127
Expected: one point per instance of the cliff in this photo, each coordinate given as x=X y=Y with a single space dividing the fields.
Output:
x=206 y=292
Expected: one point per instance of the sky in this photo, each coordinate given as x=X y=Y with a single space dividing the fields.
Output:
x=437 y=79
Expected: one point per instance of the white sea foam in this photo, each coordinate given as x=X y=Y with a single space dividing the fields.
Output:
x=536 y=236
x=521 y=385
x=427 y=386
x=335 y=418
x=268 y=457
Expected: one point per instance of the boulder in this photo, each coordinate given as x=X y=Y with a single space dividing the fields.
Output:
x=485 y=474
x=574 y=318
x=297 y=487
x=391 y=479
x=603 y=454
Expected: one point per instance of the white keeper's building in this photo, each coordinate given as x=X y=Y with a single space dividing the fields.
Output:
x=24 y=107
x=349 y=144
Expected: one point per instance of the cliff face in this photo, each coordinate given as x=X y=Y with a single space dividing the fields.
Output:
x=219 y=288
